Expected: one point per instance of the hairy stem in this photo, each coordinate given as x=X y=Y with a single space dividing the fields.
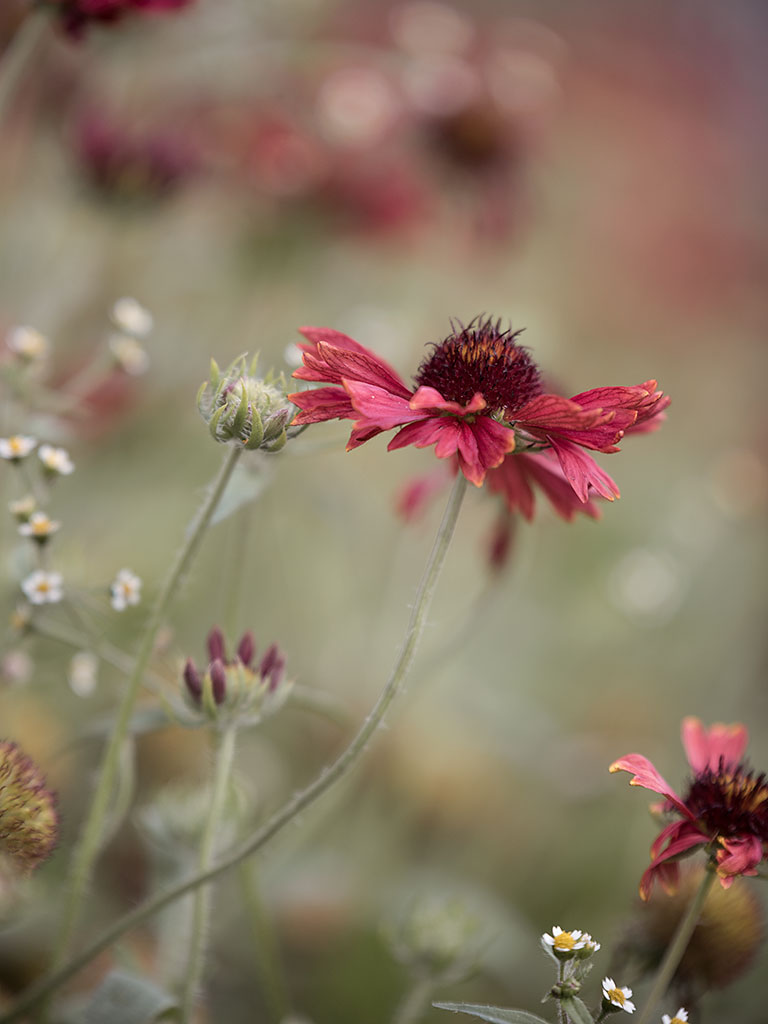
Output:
x=225 y=756
x=93 y=828
x=301 y=800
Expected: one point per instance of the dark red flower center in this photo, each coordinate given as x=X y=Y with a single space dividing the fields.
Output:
x=730 y=802
x=482 y=357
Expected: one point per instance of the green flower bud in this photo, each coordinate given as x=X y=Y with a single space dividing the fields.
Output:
x=240 y=407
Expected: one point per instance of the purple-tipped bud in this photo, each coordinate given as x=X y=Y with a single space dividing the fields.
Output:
x=272 y=667
x=216 y=649
x=276 y=674
x=193 y=681
x=218 y=680
x=246 y=648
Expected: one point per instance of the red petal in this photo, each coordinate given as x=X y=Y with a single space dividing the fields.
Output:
x=379 y=407
x=705 y=747
x=738 y=857
x=430 y=398
x=582 y=472
x=553 y=412
x=322 y=404
x=646 y=775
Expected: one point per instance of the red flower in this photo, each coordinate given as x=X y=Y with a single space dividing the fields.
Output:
x=477 y=398
x=76 y=15
x=726 y=808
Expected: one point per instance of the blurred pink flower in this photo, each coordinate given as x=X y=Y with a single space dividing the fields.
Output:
x=75 y=15
x=127 y=165
x=478 y=397
x=725 y=810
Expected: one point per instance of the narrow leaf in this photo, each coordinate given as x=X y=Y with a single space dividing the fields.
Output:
x=494 y=1014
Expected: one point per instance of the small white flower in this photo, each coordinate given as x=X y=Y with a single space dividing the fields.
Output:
x=16 y=447
x=130 y=316
x=129 y=355
x=563 y=942
x=125 y=590
x=82 y=673
x=43 y=587
x=56 y=460
x=28 y=344
x=39 y=527
x=590 y=943
x=680 y=1017
x=618 y=997
x=22 y=508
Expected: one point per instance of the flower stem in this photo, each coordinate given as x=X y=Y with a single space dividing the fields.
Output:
x=415 y=1001
x=91 y=836
x=330 y=775
x=225 y=756
x=18 y=53
x=677 y=947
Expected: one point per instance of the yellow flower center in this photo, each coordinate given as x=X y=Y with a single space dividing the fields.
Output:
x=616 y=996
x=565 y=941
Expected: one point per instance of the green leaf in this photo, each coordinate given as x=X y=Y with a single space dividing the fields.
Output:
x=124 y=998
x=494 y=1014
x=577 y=1011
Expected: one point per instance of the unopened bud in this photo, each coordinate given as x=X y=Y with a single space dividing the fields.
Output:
x=238 y=406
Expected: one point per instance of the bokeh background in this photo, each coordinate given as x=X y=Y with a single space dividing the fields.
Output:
x=593 y=172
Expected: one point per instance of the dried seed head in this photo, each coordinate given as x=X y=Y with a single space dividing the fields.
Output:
x=29 y=822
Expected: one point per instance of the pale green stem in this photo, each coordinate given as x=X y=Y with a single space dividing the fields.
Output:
x=676 y=949
x=198 y=938
x=301 y=800
x=273 y=986
x=91 y=836
x=17 y=55
x=416 y=1001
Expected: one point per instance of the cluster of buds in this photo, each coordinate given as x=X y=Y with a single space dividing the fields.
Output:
x=238 y=406
x=238 y=688
x=29 y=822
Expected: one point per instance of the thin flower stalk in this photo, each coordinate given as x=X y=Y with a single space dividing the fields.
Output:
x=327 y=778
x=225 y=756
x=267 y=961
x=677 y=948
x=416 y=1000
x=91 y=836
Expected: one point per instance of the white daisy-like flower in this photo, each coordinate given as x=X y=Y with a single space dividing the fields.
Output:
x=621 y=998
x=563 y=943
x=39 y=527
x=82 y=673
x=16 y=447
x=128 y=354
x=28 y=344
x=56 y=460
x=125 y=590
x=130 y=316
x=681 y=1017
x=43 y=587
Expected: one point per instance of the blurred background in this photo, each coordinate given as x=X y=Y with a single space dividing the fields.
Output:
x=592 y=172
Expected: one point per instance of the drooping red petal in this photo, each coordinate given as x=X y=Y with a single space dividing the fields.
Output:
x=549 y=476
x=479 y=445
x=738 y=857
x=645 y=774
x=616 y=397
x=321 y=404
x=418 y=492
x=582 y=472
x=704 y=748
x=378 y=406
x=331 y=365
